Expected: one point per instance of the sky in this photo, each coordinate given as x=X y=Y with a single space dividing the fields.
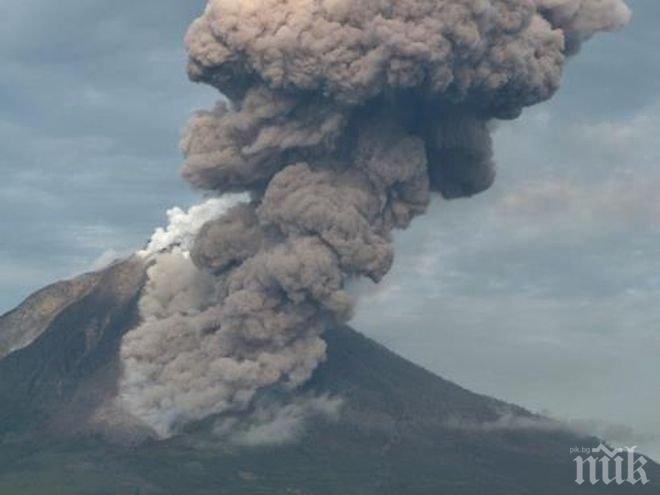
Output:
x=543 y=291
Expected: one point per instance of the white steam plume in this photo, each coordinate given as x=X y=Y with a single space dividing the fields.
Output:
x=183 y=226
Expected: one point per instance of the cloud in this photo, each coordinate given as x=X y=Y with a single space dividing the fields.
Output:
x=616 y=433
x=277 y=423
x=107 y=258
x=77 y=119
x=620 y=203
x=508 y=422
x=551 y=277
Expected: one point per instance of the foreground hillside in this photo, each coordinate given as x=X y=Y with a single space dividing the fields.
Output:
x=402 y=430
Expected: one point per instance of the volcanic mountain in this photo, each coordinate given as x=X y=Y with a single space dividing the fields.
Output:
x=401 y=430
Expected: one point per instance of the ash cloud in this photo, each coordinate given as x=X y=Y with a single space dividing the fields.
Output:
x=273 y=422
x=342 y=117
x=579 y=20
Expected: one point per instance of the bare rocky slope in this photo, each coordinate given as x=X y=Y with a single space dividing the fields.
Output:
x=401 y=431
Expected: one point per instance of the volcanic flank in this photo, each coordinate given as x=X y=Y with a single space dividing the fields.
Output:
x=341 y=118
x=400 y=431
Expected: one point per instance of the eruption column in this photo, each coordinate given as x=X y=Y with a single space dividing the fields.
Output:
x=343 y=117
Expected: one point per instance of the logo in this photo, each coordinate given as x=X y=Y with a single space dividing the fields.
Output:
x=617 y=466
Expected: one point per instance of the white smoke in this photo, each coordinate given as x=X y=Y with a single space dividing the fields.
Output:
x=183 y=226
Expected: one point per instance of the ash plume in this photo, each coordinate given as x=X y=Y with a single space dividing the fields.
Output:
x=342 y=117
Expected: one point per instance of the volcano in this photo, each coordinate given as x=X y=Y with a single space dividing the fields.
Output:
x=401 y=430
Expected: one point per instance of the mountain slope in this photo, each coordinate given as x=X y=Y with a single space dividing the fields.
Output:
x=24 y=324
x=402 y=430
x=73 y=349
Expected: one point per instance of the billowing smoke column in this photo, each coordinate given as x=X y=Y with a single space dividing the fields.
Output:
x=343 y=117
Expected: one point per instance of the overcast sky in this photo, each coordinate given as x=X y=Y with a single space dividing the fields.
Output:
x=544 y=291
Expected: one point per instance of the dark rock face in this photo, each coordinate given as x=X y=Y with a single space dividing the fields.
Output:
x=403 y=430
x=20 y=327
x=73 y=349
